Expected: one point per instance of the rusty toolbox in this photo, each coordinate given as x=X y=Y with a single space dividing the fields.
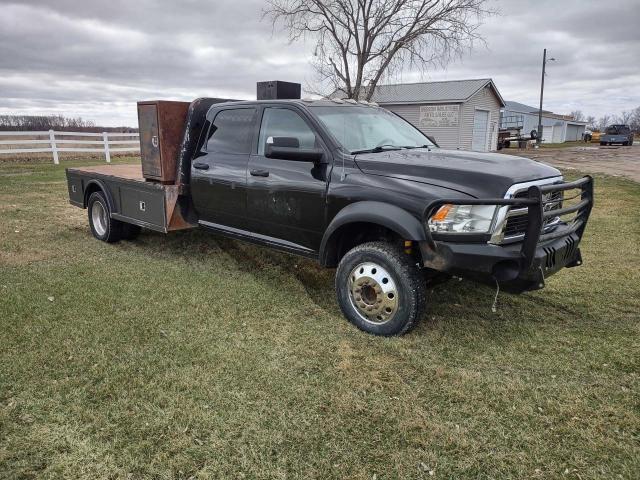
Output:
x=161 y=124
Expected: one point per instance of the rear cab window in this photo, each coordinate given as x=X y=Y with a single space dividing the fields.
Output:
x=231 y=131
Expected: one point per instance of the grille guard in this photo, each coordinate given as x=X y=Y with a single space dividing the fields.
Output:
x=534 y=203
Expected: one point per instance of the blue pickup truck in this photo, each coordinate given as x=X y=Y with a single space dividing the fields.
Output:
x=617 y=134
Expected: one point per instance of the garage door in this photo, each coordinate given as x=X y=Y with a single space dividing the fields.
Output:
x=547 y=134
x=557 y=133
x=480 y=127
x=573 y=133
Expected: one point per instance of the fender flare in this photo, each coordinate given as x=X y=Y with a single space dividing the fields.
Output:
x=383 y=214
x=101 y=186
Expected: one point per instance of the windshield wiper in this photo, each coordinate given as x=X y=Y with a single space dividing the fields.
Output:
x=411 y=147
x=378 y=149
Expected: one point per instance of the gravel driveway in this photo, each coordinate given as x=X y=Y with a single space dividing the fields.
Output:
x=617 y=161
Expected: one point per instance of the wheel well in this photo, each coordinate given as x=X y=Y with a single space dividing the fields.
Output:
x=93 y=187
x=352 y=234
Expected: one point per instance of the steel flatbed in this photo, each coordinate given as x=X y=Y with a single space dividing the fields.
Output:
x=132 y=199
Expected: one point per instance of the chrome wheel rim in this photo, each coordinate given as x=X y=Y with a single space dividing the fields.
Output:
x=99 y=218
x=373 y=293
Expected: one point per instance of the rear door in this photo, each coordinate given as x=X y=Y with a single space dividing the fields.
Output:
x=219 y=173
x=286 y=198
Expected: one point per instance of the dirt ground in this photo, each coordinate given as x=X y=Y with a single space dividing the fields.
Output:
x=616 y=161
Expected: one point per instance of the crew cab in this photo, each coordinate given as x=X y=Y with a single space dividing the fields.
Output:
x=356 y=188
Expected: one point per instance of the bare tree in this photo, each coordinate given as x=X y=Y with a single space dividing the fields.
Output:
x=625 y=117
x=577 y=115
x=361 y=42
x=591 y=122
x=634 y=123
x=604 y=122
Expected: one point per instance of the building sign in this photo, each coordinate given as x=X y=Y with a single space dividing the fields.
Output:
x=439 y=115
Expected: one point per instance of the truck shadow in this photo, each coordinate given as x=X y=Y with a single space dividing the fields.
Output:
x=316 y=281
x=455 y=302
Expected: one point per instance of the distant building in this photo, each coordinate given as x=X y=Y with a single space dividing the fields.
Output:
x=462 y=114
x=556 y=128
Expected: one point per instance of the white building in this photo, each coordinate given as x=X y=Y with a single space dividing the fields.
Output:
x=556 y=128
x=462 y=114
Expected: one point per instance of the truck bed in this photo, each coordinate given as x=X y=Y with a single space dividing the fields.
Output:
x=133 y=199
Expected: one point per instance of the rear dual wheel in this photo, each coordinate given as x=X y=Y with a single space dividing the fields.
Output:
x=105 y=228
x=380 y=289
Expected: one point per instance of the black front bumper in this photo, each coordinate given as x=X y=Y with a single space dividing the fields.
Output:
x=487 y=263
x=524 y=265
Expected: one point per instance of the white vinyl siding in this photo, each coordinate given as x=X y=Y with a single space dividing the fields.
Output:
x=461 y=135
x=446 y=137
x=484 y=99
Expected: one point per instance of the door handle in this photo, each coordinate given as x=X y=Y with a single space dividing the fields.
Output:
x=259 y=173
x=201 y=166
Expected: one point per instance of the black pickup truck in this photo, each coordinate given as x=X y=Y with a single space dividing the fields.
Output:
x=354 y=187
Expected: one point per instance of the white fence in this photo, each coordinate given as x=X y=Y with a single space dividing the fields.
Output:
x=55 y=145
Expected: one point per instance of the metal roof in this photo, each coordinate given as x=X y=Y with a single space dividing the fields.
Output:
x=432 y=92
x=520 y=107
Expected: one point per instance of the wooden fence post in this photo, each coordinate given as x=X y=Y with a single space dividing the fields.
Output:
x=54 y=148
x=107 y=155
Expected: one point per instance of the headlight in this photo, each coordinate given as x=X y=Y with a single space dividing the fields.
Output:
x=462 y=218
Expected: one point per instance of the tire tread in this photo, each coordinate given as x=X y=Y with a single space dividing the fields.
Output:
x=405 y=265
x=114 y=231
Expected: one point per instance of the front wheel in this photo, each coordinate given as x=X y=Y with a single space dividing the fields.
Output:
x=380 y=289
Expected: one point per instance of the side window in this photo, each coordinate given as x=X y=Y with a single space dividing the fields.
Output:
x=231 y=131
x=282 y=122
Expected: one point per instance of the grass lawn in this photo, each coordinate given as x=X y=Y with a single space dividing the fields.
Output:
x=194 y=356
x=579 y=143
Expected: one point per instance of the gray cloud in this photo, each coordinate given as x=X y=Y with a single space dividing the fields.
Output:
x=96 y=59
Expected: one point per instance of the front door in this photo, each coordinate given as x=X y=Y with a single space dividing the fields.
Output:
x=286 y=198
x=219 y=173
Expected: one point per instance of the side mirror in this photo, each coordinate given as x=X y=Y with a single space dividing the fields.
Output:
x=433 y=140
x=288 y=148
x=290 y=142
x=294 y=154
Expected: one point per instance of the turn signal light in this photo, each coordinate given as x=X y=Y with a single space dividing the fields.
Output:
x=441 y=214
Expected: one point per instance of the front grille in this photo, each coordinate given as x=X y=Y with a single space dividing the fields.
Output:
x=517 y=221
x=516 y=225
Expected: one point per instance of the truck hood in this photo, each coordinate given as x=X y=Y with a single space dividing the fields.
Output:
x=482 y=175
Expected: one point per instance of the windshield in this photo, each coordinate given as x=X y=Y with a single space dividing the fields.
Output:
x=369 y=128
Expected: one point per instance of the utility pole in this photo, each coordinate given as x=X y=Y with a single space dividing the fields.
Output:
x=544 y=65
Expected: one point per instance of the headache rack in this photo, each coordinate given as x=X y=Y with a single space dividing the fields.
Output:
x=544 y=212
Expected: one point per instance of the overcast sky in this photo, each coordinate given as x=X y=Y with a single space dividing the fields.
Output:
x=97 y=58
